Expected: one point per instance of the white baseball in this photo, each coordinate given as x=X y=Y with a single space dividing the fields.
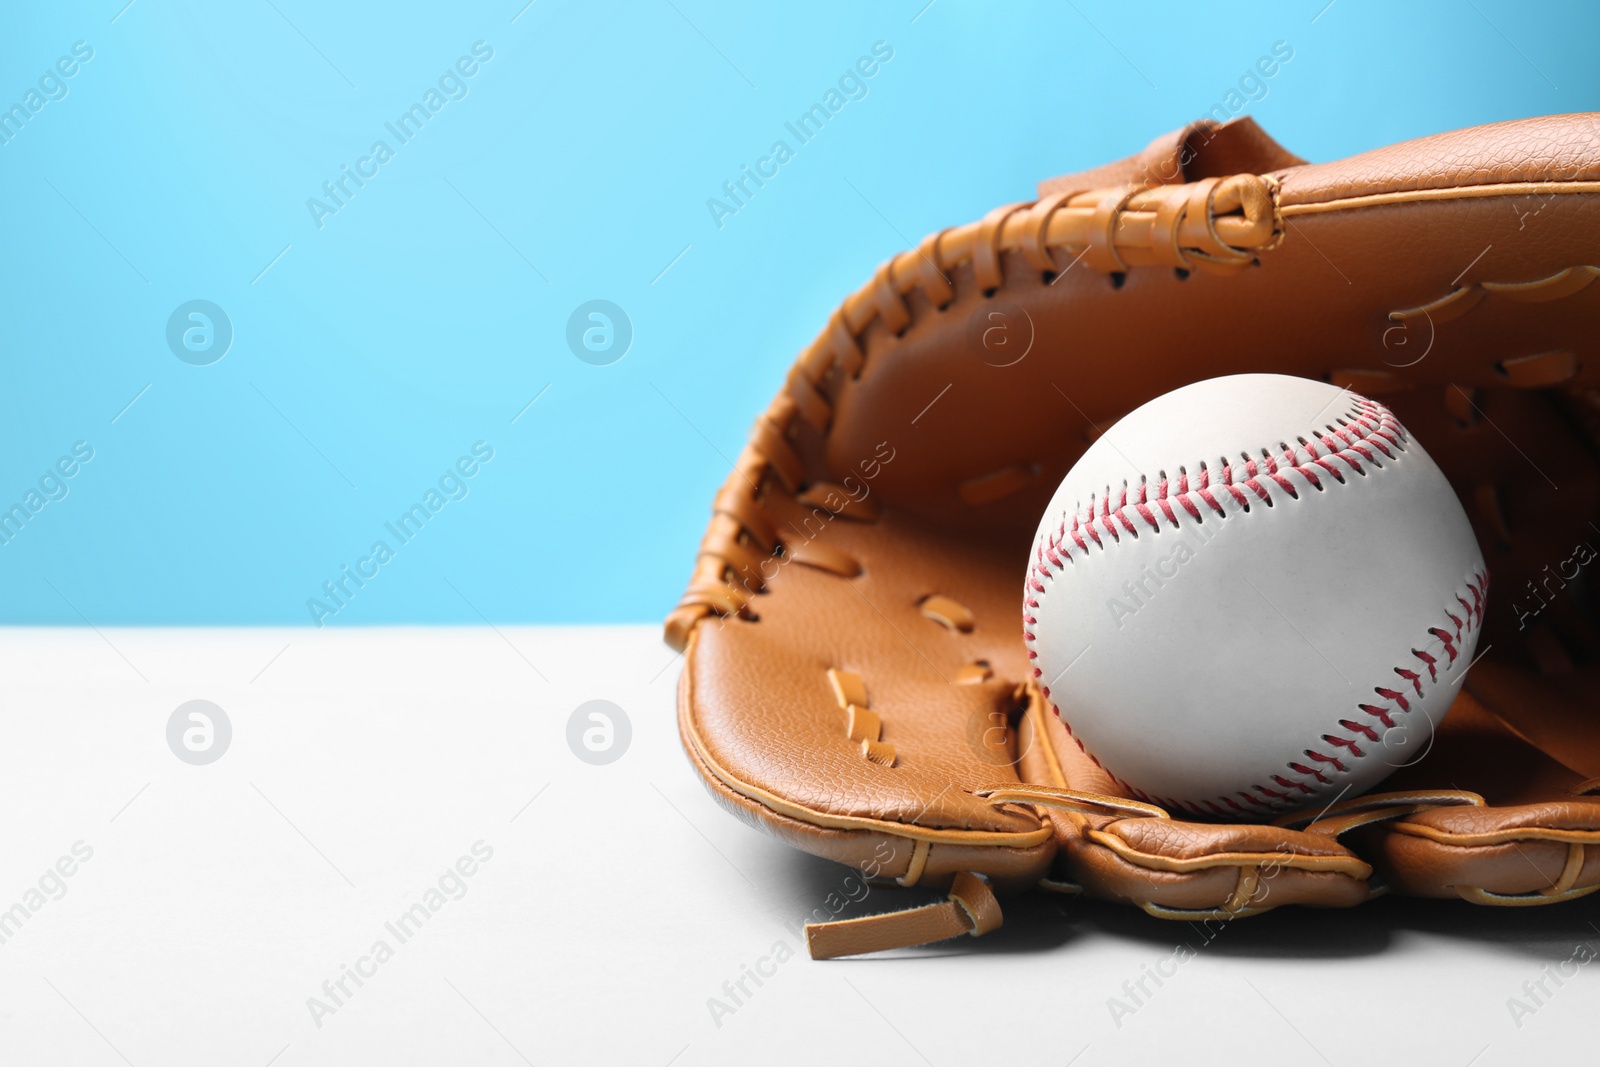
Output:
x=1253 y=594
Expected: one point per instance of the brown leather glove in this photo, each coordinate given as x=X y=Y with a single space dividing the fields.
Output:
x=855 y=680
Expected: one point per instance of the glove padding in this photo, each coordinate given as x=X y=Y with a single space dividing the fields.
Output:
x=855 y=680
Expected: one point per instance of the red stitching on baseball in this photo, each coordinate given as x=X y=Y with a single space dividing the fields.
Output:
x=1337 y=765
x=1310 y=772
x=1382 y=714
x=1343 y=742
x=1431 y=660
x=1387 y=694
x=1360 y=728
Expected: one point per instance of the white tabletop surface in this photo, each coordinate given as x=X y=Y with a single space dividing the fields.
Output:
x=618 y=899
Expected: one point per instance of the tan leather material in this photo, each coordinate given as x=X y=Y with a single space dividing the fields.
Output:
x=1109 y=876
x=839 y=501
x=1175 y=845
x=848 y=688
x=1453 y=275
x=878 y=752
x=1554 y=712
x=947 y=612
x=1069 y=800
x=1204 y=149
x=972 y=674
x=863 y=725
x=1379 y=807
x=971 y=909
x=884 y=856
x=1239 y=146
x=1574 y=822
x=1541 y=151
x=1483 y=896
x=826 y=558
x=980 y=905
x=1421 y=867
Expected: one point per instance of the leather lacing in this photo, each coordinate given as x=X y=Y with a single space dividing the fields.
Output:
x=1218 y=225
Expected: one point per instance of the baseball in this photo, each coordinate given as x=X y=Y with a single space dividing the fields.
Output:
x=1253 y=594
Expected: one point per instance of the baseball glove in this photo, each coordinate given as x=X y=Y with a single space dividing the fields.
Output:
x=855 y=679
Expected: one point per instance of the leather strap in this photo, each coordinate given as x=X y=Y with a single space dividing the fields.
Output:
x=970 y=909
x=1071 y=800
x=1376 y=807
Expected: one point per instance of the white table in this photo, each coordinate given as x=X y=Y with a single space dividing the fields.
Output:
x=618 y=899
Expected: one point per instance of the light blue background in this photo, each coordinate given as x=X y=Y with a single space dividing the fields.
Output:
x=379 y=348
